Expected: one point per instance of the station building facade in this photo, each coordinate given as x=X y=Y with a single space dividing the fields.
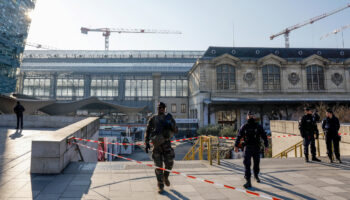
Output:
x=273 y=82
x=126 y=78
x=217 y=86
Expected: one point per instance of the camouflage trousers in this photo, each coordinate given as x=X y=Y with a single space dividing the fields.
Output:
x=163 y=153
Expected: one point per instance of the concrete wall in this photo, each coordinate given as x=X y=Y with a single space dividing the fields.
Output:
x=38 y=121
x=283 y=128
x=51 y=153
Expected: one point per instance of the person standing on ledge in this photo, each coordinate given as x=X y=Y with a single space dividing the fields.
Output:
x=160 y=129
x=309 y=132
x=19 y=109
x=330 y=126
x=251 y=132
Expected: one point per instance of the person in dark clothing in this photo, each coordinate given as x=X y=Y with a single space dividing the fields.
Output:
x=309 y=132
x=316 y=116
x=160 y=129
x=330 y=126
x=19 y=109
x=251 y=133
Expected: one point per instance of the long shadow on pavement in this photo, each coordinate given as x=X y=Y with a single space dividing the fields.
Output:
x=267 y=179
x=178 y=196
x=16 y=134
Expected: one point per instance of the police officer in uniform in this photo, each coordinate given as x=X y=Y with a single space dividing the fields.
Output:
x=330 y=126
x=308 y=130
x=160 y=129
x=251 y=132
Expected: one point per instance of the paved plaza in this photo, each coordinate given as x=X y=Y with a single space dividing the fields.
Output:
x=282 y=178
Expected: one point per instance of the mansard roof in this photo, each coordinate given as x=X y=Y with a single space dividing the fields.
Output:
x=297 y=54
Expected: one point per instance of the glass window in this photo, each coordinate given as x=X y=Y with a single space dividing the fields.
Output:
x=173 y=108
x=226 y=77
x=315 y=77
x=106 y=87
x=139 y=88
x=173 y=88
x=70 y=86
x=183 y=108
x=37 y=86
x=271 y=77
x=226 y=117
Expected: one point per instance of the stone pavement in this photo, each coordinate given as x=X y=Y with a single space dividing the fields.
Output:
x=283 y=178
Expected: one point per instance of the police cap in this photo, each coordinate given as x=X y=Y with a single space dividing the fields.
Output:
x=250 y=113
x=307 y=108
x=330 y=110
x=161 y=105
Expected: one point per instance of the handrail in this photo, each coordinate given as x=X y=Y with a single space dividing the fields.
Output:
x=204 y=141
x=295 y=147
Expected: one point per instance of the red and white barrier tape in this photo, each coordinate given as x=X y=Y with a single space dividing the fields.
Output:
x=127 y=144
x=183 y=174
x=179 y=140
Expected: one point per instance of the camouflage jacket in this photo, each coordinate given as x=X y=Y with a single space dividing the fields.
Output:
x=164 y=125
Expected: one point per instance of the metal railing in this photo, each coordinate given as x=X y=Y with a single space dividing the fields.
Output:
x=295 y=147
x=206 y=144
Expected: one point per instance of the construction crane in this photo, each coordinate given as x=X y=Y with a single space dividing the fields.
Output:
x=341 y=29
x=106 y=32
x=40 y=46
x=286 y=31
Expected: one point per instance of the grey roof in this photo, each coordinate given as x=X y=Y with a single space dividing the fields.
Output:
x=286 y=53
x=111 y=61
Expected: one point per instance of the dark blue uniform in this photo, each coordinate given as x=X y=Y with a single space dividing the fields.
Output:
x=308 y=128
x=330 y=128
x=251 y=132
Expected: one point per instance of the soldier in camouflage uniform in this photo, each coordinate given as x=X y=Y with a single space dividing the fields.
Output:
x=160 y=129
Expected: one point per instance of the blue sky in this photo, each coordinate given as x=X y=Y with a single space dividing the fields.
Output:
x=203 y=23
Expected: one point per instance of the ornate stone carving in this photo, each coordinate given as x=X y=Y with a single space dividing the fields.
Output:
x=249 y=78
x=293 y=78
x=337 y=79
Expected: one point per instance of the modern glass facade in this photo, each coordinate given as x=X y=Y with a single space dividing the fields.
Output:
x=173 y=87
x=128 y=78
x=14 y=25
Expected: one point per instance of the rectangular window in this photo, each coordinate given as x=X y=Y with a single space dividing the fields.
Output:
x=183 y=108
x=173 y=88
x=139 y=88
x=173 y=108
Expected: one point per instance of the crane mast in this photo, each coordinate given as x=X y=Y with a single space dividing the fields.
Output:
x=286 y=31
x=106 y=32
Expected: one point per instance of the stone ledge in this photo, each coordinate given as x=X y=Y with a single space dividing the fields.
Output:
x=51 y=153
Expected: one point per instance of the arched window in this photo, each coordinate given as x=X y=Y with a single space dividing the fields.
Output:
x=315 y=77
x=226 y=77
x=271 y=77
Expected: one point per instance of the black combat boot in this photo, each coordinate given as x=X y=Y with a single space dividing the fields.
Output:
x=339 y=161
x=166 y=181
x=160 y=188
x=257 y=178
x=306 y=158
x=330 y=159
x=315 y=159
x=247 y=184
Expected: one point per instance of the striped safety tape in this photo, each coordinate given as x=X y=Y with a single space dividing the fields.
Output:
x=183 y=174
x=126 y=144
x=179 y=140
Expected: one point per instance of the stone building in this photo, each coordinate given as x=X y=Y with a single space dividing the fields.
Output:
x=227 y=82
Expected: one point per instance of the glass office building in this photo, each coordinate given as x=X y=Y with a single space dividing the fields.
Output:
x=14 y=26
